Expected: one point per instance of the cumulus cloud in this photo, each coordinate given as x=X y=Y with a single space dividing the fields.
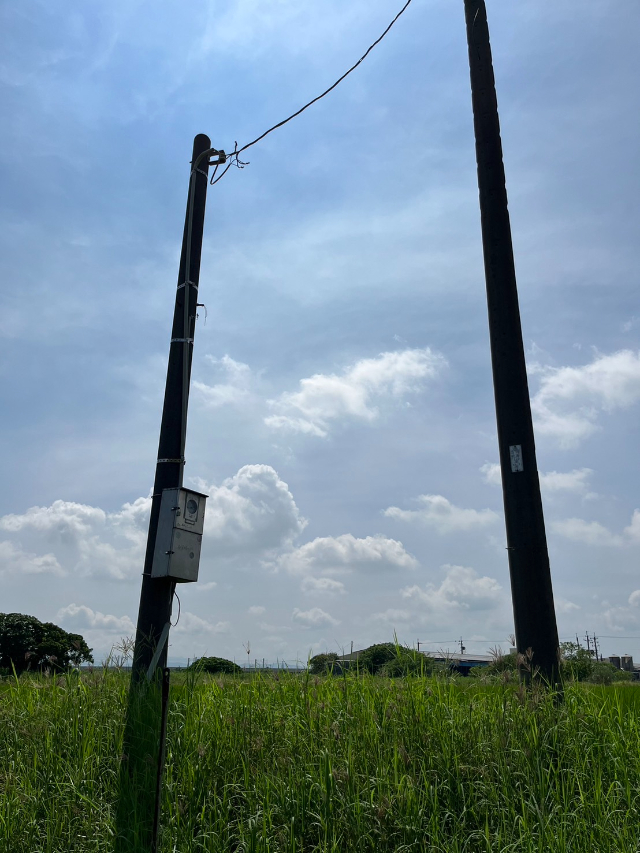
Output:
x=251 y=512
x=313 y=618
x=594 y=533
x=192 y=624
x=79 y=616
x=564 y=606
x=491 y=473
x=587 y=532
x=437 y=512
x=15 y=561
x=64 y=518
x=353 y=394
x=82 y=538
x=257 y=610
x=553 y=481
x=391 y=616
x=571 y=399
x=342 y=554
x=312 y=585
x=461 y=589
x=235 y=389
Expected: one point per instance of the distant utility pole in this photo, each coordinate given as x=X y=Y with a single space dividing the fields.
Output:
x=157 y=593
x=532 y=593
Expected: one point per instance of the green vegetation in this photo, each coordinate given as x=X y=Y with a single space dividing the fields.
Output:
x=322 y=664
x=27 y=643
x=294 y=762
x=215 y=665
x=577 y=664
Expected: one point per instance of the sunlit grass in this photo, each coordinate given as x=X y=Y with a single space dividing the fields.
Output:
x=296 y=763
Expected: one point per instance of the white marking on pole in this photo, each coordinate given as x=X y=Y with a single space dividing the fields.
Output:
x=515 y=451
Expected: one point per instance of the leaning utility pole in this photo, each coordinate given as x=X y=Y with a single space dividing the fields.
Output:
x=173 y=549
x=532 y=593
x=157 y=592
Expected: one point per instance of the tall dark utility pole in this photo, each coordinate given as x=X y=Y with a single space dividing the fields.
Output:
x=532 y=593
x=140 y=777
x=157 y=593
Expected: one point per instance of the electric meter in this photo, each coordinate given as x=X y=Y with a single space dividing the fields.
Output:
x=179 y=537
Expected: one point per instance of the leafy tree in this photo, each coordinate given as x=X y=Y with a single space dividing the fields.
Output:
x=604 y=672
x=321 y=664
x=576 y=663
x=408 y=662
x=27 y=643
x=375 y=657
x=215 y=665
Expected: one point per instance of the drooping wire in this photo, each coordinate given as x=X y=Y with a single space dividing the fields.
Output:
x=173 y=624
x=233 y=156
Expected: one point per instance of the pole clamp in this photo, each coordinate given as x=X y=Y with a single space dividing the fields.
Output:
x=180 y=461
x=181 y=340
x=185 y=283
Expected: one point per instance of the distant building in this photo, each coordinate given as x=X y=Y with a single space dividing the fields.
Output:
x=625 y=663
x=460 y=663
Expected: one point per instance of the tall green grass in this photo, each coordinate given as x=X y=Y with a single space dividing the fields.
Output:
x=294 y=763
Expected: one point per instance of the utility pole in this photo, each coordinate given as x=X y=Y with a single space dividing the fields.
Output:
x=138 y=815
x=156 y=594
x=531 y=589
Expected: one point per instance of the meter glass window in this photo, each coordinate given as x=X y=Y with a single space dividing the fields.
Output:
x=192 y=506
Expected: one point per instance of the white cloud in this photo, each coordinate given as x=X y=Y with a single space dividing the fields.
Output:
x=437 y=512
x=64 y=518
x=342 y=554
x=326 y=398
x=633 y=530
x=192 y=624
x=491 y=473
x=461 y=589
x=85 y=539
x=15 y=561
x=391 y=616
x=234 y=390
x=586 y=532
x=313 y=618
x=568 y=481
x=253 y=511
x=81 y=617
x=570 y=399
x=564 y=606
x=594 y=533
x=321 y=585
x=257 y=610
x=634 y=598
x=553 y=481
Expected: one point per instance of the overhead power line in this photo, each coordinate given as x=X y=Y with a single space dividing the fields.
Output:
x=234 y=155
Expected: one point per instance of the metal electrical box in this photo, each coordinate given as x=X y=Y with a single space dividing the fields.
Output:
x=179 y=537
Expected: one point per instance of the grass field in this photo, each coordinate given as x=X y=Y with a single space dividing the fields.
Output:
x=297 y=763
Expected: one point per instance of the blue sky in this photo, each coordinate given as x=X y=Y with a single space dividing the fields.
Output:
x=341 y=416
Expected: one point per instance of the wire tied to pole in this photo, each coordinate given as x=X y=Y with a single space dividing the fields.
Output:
x=234 y=158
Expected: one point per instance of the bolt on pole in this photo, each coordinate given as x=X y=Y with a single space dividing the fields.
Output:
x=157 y=593
x=531 y=589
